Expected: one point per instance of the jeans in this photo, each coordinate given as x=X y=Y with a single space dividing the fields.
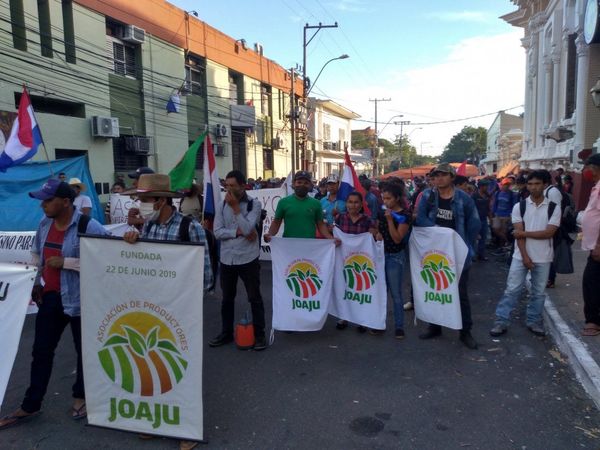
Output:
x=250 y=275
x=514 y=289
x=465 y=305
x=49 y=326
x=591 y=291
x=483 y=232
x=394 y=268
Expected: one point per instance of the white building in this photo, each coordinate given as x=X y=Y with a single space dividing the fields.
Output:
x=329 y=133
x=560 y=118
x=496 y=138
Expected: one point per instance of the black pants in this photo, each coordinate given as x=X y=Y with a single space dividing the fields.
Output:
x=591 y=291
x=250 y=275
x=49 y=326
x=465 y=305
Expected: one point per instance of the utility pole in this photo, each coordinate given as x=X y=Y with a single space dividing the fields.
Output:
x=305 y=83
x=376 y=149
x=293 y=121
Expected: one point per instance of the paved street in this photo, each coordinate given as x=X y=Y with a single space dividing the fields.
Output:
x=341 y=389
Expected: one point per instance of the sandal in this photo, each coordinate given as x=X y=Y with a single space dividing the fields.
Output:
x=78 y=413
x=590 y=329
x=14 y=419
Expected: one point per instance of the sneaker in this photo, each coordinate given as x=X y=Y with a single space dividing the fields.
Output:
x=408 y=306
x=341 y=325
x=432 y=332
x=260 y=343
x=467 y=339
x=221 y=339
x=399 y=333
x=536 y=329
x=497 y=330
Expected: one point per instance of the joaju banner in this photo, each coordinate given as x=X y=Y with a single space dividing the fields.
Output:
x=142 y=335
x=302 y=282
x=359 y=281
x=437 y=259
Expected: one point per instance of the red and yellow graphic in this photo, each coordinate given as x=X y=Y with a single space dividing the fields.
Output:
x=141 y=355
x=359 y=273
x=303 y=279
x=436 y=272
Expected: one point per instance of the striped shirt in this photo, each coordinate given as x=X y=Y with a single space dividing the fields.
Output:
x=169 y=231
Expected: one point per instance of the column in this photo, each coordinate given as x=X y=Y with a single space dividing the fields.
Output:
x=547 y=92
x=555 y=87
x=583 y=63
x=529 y=77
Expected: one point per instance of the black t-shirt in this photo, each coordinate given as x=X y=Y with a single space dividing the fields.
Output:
x=445 y=215
x=389 y=245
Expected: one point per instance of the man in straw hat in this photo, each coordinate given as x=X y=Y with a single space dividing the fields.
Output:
x=163 y=222
x=82 y=202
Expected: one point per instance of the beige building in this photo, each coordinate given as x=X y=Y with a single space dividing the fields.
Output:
x=560 y=118
x=503 y=138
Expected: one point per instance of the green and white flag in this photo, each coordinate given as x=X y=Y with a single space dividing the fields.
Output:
x=141 y=308
x=437 y=258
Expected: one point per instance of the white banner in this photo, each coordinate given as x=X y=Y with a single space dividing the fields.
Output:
x=437 y=258
x=142 y=336
x=16 y=282
x=359 y=280
x=302 y=282
x=269 y=198
x=15 y=246
x=120 y=206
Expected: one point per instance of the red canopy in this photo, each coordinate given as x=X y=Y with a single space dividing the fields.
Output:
x=420 y=171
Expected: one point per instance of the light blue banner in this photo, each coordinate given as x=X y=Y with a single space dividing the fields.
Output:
x=18 y=211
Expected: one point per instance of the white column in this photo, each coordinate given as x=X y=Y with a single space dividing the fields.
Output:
x=547 y=91
x=529 y=76
x=555 y=87
x=583 y=63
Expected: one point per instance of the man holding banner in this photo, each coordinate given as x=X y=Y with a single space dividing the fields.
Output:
x=57 y=293
x=445 y=206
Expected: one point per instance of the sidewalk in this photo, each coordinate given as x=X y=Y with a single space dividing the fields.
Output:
x=564 y=319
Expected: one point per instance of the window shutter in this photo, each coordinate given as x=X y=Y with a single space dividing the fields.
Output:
x=109 y=54
x=130 y=66
x=119 y=58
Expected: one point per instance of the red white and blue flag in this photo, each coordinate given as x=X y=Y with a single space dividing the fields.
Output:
x=25 y=136
x=350 y=183
x=212 y=185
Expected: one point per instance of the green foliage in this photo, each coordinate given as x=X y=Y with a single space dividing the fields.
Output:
x=470 y=144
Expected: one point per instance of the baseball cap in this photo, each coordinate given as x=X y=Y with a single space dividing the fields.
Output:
x=140 y=171
x=444 y=168
x=333 y=178
x=53 y=188
x=505 y=181
x=593 y=160
x=303 y=174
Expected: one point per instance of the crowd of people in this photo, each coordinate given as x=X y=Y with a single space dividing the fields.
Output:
x=524 y=212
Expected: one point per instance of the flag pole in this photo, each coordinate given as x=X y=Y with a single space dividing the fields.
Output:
x=26 y=92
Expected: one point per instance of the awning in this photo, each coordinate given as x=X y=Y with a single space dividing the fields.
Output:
x=511 y=168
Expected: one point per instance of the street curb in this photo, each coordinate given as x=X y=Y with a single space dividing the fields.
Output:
x=585 y=367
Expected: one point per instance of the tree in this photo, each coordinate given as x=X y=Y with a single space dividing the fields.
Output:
x=469 y=144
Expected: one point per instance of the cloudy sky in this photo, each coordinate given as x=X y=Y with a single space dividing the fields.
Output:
x=438 y=60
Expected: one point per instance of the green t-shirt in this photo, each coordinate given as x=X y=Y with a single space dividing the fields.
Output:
x=300 y=216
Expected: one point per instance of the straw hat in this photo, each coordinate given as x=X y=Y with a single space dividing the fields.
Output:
x=77 y=182
x=154 y=185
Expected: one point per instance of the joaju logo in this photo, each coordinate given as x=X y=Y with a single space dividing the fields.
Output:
x=360 y=276
x=141 y=356
x=438 y=276
x=304 y=282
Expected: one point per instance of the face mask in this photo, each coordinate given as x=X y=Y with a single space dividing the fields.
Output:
x=588 y=175
x=301 y=191
x=147 y=211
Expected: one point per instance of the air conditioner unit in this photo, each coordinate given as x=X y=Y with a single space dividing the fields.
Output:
x=107 y=127
x=219 y=149
x=138 y=145
x=221 y=130
x=133 y=34
x=277 y=143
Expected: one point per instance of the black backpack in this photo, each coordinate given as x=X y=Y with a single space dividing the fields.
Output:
x=82 y=225
x=568 y=221
x=523 y=207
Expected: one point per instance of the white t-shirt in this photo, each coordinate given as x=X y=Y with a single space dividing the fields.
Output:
x=82 y=201
x=536 y=219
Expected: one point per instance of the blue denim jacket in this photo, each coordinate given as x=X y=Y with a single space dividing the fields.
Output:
x=69 y=279
x=466 y=217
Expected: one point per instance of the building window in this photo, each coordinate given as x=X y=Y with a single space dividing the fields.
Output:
x=69 y=30
x=125 y=160
x=195 y=76
x=236 y=88
x=17 y=19
x=265 y=100
x=53 y=106
x=45 y=27
x=123 y=57
x=571 y=85
x=326 y=132
x=268 y=159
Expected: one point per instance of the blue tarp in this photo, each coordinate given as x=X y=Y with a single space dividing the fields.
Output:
x=18 y=211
